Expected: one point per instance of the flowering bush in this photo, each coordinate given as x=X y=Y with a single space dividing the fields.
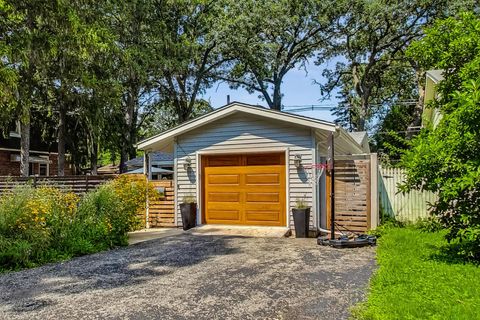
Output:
x=132 y=191
x=45 y=224
x=31 y=224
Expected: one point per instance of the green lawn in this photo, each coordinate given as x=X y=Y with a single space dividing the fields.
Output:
x=415 y=280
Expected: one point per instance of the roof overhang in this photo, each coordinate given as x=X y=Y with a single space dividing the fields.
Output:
x=165 y=140
x=343 y=137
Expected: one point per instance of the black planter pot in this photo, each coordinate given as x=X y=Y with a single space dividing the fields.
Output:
x=301 y=219
x=189 y=215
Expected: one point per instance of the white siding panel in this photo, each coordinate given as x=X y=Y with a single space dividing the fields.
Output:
x=241 y=134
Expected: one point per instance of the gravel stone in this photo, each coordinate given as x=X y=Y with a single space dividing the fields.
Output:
x=194 y=277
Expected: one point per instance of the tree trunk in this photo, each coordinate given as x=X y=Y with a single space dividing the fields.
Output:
x=277 y=97
x=61 y=140
x=94 y=157
x=183 y=115
x=130 y=125
x=361 y=121
x=123 y=160
x=25 y=143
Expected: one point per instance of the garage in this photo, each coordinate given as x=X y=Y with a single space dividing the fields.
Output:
x=247 y=165
x=244 y=189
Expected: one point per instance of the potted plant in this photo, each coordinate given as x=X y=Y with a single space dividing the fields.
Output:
x=188 y=209
x=301 y=218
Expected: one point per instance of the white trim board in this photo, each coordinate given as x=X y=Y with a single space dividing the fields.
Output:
x=231 y=109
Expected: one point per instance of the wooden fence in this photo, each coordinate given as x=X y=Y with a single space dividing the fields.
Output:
x=410 y=206
x=76 y=184
x=161 y=213
x=352 y=195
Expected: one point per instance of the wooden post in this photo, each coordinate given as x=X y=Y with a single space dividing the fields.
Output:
x=147 y=170
x=145 y=164
x=149 y=161
x=374 y=212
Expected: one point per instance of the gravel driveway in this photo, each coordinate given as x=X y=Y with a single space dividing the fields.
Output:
x=194 y=277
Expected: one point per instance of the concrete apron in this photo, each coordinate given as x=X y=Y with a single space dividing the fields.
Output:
x=209 y=230
x=242 y=231
x=150 y=234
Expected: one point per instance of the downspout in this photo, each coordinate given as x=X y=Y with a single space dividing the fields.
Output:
x=335 y=135
x=331 y=155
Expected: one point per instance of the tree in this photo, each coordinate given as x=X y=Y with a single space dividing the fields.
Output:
x=75 y=37
x=8 y=73
x=373 y=38
x=24 y=37
x=166 y=118
x=270 y=38
x=135 y=68
x=446 y=159
x=192 y=53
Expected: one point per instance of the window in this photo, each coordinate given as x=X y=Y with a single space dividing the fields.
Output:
x=43 y=171
x=31 y=169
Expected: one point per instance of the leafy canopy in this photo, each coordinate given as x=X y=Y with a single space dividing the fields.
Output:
x=446 y=159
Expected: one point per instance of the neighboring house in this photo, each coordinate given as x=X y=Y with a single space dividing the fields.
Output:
x=431 y=116
x=361 y=137
x=248 y=165
x=161 y=163
x=42 y=158
x=108 y=169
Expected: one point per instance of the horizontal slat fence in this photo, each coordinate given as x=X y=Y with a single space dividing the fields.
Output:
x=352 y=195
x=408 y=207
x=161 y=213
x=76 y=184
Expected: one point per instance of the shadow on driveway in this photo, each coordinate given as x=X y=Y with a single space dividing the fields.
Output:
x=187 y=276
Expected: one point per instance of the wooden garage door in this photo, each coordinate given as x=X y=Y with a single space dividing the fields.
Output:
x=244 y=189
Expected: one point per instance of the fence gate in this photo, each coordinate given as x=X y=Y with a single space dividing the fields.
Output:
x=353 y=193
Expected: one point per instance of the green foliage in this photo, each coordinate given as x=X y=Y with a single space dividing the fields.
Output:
x=33 y=225
x=132 y=192
x=166 y=117
x=43 y=225
x=452 y=45
x=301 y=203
x=189 y=198
x=267 y=39
x=430 y=224
x=390 y=137
x=373 y=73
x=416 y=279
x=446 y=159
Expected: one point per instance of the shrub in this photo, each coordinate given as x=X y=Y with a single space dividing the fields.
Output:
x=446 y=159
x=32 y=224
x=46 y=224
x=430 y=224
x=132 y=192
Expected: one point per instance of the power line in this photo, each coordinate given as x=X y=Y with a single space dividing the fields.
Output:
x=313 y=107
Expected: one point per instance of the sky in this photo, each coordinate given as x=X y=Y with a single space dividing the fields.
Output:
x=298 y=88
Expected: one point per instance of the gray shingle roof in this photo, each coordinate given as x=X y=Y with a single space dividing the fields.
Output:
x=157 y=157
